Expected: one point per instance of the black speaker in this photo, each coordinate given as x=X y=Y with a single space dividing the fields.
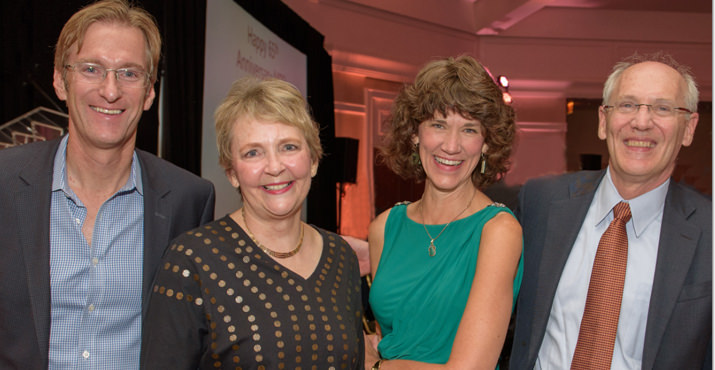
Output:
x=346 y=153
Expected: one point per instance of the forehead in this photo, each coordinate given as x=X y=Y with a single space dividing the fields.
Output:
x=454 y=118
x=252 y=130
x=451 y=114
x=113 y=43
x=651 y=81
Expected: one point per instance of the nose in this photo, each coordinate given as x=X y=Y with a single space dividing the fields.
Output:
x=452 y=142
x=643 y=118
x=109 y=87
x=274 y=165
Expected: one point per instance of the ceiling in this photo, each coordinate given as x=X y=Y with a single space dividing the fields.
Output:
x=574 y=18
x=564 y=46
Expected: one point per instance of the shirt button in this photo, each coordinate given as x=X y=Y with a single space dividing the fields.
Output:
x=95 y=261
x=77 y=220
x=91 y=307
x=85 y=354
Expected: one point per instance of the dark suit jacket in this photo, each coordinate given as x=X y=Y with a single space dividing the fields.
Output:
x=174 y=201
x=678 y=330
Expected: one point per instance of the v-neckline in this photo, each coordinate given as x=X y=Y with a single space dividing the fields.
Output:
x=282 y=267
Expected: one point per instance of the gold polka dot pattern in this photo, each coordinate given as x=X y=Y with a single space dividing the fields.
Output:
x=220 y=302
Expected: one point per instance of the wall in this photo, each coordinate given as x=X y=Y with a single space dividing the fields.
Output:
x=357 y=97
x=374 y=52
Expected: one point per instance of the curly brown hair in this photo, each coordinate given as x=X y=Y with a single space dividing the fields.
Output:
x=460 y=85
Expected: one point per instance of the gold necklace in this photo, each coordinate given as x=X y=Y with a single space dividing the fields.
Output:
x=432 y=249
x=270 y=252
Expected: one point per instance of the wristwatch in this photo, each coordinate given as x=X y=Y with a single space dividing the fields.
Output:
x=377 y=365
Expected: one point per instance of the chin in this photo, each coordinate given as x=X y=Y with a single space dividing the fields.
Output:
x=283 y=210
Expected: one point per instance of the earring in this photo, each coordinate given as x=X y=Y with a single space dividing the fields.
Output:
x=484 y=164
x=416 y=155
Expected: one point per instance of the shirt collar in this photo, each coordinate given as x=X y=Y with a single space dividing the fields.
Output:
x=644 y=208
x=59 y=173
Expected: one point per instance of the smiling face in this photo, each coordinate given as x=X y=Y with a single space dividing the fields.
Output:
x=105 y=115
x=450 y=148
x=642 y=146
x=272 y=165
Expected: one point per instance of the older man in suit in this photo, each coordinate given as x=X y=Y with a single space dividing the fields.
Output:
x=85 y=219
x=662 y=305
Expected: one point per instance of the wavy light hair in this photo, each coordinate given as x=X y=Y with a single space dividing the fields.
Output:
x=109 y=11
x=270 y=100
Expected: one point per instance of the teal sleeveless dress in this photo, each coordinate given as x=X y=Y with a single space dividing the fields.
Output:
x=419 y=300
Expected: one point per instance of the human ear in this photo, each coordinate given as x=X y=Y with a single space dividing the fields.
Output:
x=602 y=123
x=690 y=126
x=313 y=168
x=149 y=98
x=232 y=178
x=58 y=82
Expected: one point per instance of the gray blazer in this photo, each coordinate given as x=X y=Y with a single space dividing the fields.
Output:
x=678 y=330
x=174 y=201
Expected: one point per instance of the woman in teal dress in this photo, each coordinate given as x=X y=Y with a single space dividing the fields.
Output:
x=447 y=268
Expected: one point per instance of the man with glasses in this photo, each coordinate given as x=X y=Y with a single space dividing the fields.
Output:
x=85 y=219
x=618 y=262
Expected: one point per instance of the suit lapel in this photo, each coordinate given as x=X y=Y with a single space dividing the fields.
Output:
x=157 y=220
x=676 y=248
x=564 y=220
x=32 y=203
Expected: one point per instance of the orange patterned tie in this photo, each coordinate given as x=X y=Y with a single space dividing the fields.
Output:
x=597 y=335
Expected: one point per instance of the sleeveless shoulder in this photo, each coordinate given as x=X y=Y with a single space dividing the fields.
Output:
x=497 y=207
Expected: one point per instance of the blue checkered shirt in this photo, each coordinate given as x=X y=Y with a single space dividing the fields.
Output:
x=96 y=290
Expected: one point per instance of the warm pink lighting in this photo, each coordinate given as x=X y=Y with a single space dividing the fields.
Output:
x=503 y=81
x=507 y=98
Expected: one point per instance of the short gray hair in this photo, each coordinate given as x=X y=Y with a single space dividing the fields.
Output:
x=691 y=93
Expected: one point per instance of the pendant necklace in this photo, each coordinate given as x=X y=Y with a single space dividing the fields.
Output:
x=270 y=252
x=432 y=249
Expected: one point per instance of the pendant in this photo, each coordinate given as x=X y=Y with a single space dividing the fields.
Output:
x=432 y=249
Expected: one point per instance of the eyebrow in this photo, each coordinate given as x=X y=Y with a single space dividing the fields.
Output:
x=97 y=62
x=469 y=122
x=657 y=100
x=283 y=141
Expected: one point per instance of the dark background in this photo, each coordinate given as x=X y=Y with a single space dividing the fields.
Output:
x=29 y=31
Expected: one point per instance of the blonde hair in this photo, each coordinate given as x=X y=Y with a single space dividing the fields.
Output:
x=109 y=11
x=271 y=100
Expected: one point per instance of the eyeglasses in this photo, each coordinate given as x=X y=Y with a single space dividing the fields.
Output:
x=96 y=73
x=660 y=110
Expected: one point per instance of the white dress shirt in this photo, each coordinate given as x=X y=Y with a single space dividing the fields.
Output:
x=643 y=230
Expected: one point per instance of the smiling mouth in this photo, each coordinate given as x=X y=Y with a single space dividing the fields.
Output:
x=448 y=162
x=277 y=187
x=106 y=111
x=640 y=143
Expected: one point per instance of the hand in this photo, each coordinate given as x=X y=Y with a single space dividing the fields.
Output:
x=371 y=354
x=363 y=253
